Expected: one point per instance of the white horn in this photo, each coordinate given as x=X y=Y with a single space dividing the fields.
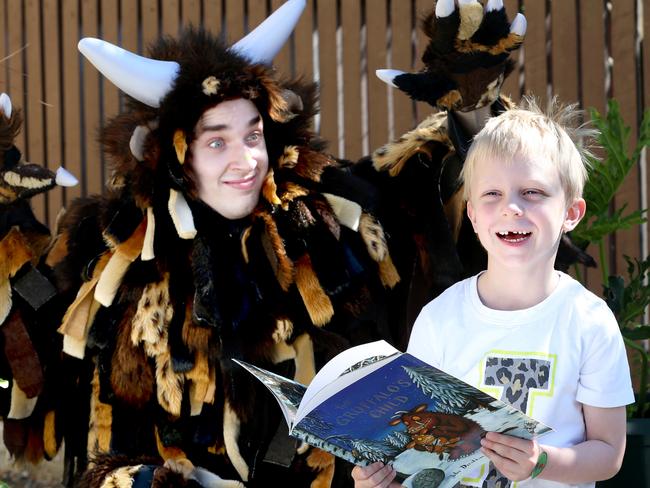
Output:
x=388 y=75
x=519 y=25
x=494 y=5
x=265 y=42
x=444 y=8
x=65 y=178
x=5 y=104
x=146 y=80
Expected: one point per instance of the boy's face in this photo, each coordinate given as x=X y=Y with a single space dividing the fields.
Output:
x=229 y=157
x=519 y=211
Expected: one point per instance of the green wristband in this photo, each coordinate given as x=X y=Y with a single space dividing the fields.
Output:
x=541 y=464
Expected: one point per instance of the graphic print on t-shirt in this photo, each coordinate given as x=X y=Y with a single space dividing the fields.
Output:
x=516 y=378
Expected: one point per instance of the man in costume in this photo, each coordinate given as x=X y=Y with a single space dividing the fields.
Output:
x=225 y=233
x=28 y=341
x=185 y=265
x=432 y=242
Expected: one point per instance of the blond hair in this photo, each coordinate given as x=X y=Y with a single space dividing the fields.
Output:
x=528 y=131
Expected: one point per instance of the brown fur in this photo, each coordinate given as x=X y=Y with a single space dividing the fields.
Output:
x=101 y=420
x=196 y=338
x=324 y=463
x=169 y=384
x=21 y=355
x=289 y=158
x=58 y=251
x=231 y=424
x=131 y=376
x=290 y=192
x=168 y=452
x=279 y=109
x=121 y=477
x=9 y=129
x=388 y=273
x=305 y=362
x=510 y=43
x=324 y=209
x=392 y=156
x=284 y=270
x=318 y=304
x=153 y=314
x=372 y=234
x=200 y=379
x=34 y=450
x=270 y=189
x=50 y=442
x=311 y=164
x=451 y=100
x=15 y=252
x=244 y=240
x=180 y=145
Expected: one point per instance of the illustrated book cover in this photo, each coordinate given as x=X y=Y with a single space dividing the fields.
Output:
x=372 y=403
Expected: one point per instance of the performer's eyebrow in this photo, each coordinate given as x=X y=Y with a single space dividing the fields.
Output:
x=215 y=128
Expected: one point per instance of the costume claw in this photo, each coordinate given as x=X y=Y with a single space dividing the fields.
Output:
x=5 y=104
x=519 y=25
x=444 y=8
x=494 y=5
x=65 y=178
x=388 y=75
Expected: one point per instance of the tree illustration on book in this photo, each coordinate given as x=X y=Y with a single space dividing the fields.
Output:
x=395 y=409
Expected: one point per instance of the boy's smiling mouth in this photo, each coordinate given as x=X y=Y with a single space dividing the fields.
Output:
x=513 y=236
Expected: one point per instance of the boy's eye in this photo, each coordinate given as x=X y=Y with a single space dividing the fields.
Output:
x=216 y=144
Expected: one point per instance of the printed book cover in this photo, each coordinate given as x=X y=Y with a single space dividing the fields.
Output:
x=372 y=403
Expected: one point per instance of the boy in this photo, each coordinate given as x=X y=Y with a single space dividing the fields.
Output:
x=528 y=334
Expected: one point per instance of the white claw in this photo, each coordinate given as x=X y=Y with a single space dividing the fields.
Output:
x=388 y=75
x=444 y=8
x=65 y=178
x=519 y=25
x=466 y=2
x=5 y=104
x=493 y=5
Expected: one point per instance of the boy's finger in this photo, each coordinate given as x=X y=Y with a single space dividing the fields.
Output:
x=383 y=477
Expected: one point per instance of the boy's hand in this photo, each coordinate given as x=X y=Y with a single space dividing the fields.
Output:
x=375 y=475
x=515 y=458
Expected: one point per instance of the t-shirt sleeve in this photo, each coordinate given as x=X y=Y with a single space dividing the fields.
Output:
x=422 y=343
x=605 y=374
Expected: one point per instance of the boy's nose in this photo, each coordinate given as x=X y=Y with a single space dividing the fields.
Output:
x=243 y=158
x=512 y=208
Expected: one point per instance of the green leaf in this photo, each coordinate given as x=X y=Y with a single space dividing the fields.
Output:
x=604 y=224
x=637 y=334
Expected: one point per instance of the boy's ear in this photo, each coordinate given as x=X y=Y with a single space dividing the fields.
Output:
x=471 y=215
x=574 y=214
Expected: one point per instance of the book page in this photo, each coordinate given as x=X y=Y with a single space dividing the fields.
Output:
x=338 y=365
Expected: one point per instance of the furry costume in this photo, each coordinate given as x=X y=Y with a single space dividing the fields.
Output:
x=465 y=63
x=164 y=291
x=28 y=341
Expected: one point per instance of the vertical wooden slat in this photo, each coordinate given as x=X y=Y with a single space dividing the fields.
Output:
x=327 y=68
x=150 y=24
x=212 y=15
x=234 y=20
x=624 y=90
x=170 y=17
x=110 y=93
x=511 y=84
x=423 y=8
x=401 y=54
x=52 y=92
x=34 y=148
x=350 y=27
x=646 y=88
x=256 y=13
x=191 y=13
x=535 y=50
x=304 y=46
x=283 y=59
x=71 y=88
x=92 y=119
x=592 y=42
x=3 y=47
x=129 y=20
x=15 y=65
x=564 y=51
x=377 y=89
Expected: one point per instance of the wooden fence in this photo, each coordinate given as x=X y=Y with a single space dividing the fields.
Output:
x=581 y=50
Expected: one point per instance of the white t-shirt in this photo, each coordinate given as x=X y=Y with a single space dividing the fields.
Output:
x=546 y=360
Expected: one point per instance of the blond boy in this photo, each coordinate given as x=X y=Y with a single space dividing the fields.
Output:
x=522 y=331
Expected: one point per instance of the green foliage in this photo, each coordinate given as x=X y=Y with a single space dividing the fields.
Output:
x=627 y=297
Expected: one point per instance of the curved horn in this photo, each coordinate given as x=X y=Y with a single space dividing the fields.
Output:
x=519 y=25
x=264 y=43
x=444 y=8
x=146 y=80
x=388 y=76
x=5 y=104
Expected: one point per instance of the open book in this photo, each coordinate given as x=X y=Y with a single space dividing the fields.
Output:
x=373 y=403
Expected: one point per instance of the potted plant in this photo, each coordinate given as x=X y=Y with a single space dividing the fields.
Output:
x=628 y=297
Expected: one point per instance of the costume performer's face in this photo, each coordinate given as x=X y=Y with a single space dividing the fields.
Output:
x=229 y=157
